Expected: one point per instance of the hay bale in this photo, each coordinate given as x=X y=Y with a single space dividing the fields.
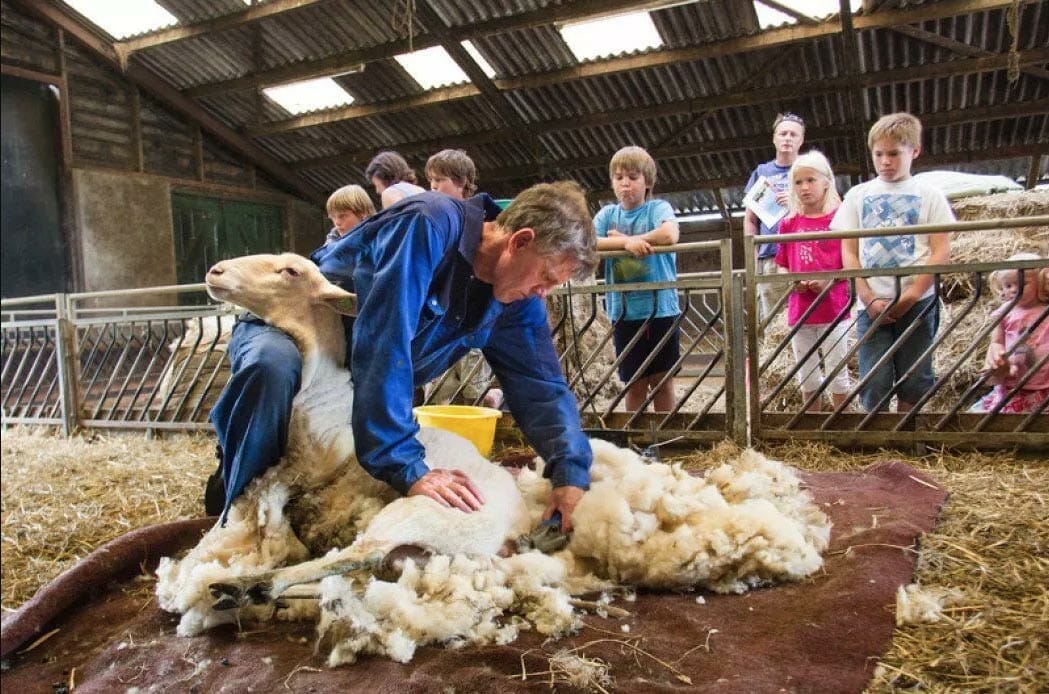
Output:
x=985 y=246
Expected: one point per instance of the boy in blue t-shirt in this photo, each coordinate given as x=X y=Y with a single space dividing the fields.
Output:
x=636 y=224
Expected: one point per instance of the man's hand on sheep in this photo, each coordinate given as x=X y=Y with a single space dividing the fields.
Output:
x=450 y=488
x=563 y=499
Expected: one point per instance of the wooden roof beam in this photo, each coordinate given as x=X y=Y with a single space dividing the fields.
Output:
x=945 y=118
x=434 y=96
x=960 y=48
x=767 y=39
x=341 y=62
x=856 y=111
x=684 y=106
x=581 y=10
x=211 y=26
x=167 y=95
x=789 y=11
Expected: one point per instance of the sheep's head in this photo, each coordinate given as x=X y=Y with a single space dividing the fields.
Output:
x=275 y=287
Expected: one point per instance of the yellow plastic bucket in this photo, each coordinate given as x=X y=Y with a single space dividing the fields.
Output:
x=476 y=424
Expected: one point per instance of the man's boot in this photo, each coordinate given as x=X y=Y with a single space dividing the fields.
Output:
x=215 y=489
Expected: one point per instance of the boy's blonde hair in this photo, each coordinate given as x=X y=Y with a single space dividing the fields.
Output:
x=814 y=160
x=899 y=127
x=1039 y=275
x=633 y=158
x=456 y=165
x=351 y=198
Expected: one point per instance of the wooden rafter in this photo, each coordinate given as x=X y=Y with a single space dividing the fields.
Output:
x=490 y=93
x=684 y=106
x=586 y=8
x=340 y=62
x=854 y=95
x=960 y=48
x=930 y=120
x=211 y=26
x=789 y=11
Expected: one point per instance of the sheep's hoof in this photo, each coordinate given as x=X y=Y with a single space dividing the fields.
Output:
x=230 y=595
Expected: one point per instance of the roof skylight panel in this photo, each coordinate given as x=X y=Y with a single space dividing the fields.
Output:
x=608 y=36
x=432 y=68
x=309 y=95
x=123 y=18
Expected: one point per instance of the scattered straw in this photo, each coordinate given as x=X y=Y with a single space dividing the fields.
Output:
x=63 y=498
x=991 y=545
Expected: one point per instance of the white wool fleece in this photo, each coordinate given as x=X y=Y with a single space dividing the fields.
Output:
x=652 y=524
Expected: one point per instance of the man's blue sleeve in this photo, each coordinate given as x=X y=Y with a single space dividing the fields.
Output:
x=392 y=278
x=521 y=352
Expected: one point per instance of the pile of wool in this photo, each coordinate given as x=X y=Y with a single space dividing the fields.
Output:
x=747 y=523
x=257 y=536
x=452 y=601
x=917 y=604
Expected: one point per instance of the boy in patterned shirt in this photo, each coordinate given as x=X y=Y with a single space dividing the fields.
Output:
x=895 y=199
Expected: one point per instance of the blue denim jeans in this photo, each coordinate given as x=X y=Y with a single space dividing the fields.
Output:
x=252 y=414
x=907 y=353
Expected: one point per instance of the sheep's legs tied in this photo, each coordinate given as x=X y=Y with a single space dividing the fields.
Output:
x=263 y=588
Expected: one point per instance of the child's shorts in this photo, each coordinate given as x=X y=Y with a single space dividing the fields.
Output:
x=652 y=331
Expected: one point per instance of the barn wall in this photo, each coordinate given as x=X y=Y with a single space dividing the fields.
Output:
x=124 y=223
x=126 y=154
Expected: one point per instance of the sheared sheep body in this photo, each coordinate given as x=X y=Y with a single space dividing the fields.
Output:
x=745 y=524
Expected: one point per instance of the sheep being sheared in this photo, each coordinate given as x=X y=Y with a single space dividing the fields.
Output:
x=318 y=497
x=747 y=523
x=642 y=524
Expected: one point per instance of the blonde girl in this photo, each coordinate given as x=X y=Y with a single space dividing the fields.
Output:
x=813 y=201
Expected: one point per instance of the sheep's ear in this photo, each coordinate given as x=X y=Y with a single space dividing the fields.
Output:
x=340 y=300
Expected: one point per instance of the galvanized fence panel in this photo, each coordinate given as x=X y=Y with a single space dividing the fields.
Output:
x=947 y=413
x=94 y=360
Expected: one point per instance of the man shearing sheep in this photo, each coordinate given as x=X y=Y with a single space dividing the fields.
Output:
x=434 y=277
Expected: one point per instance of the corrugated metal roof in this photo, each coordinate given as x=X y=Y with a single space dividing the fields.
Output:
x=663 y=107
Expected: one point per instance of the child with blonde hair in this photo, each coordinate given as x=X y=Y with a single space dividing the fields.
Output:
x=1020 y=339
x=902 y=323
x=814 y=200
x=347 y=207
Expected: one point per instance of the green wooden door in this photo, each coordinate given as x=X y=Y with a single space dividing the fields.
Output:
x=208 y=230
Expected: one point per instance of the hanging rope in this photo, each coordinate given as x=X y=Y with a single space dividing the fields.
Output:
x=402 y=19
x=1012 y=20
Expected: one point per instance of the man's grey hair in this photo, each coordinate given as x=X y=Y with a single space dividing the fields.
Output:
x=561 y=219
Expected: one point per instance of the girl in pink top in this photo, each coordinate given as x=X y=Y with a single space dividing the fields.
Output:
x=1024 y=316
x=813 y=201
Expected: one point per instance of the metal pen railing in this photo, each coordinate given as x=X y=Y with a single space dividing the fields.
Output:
x=137 y=359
